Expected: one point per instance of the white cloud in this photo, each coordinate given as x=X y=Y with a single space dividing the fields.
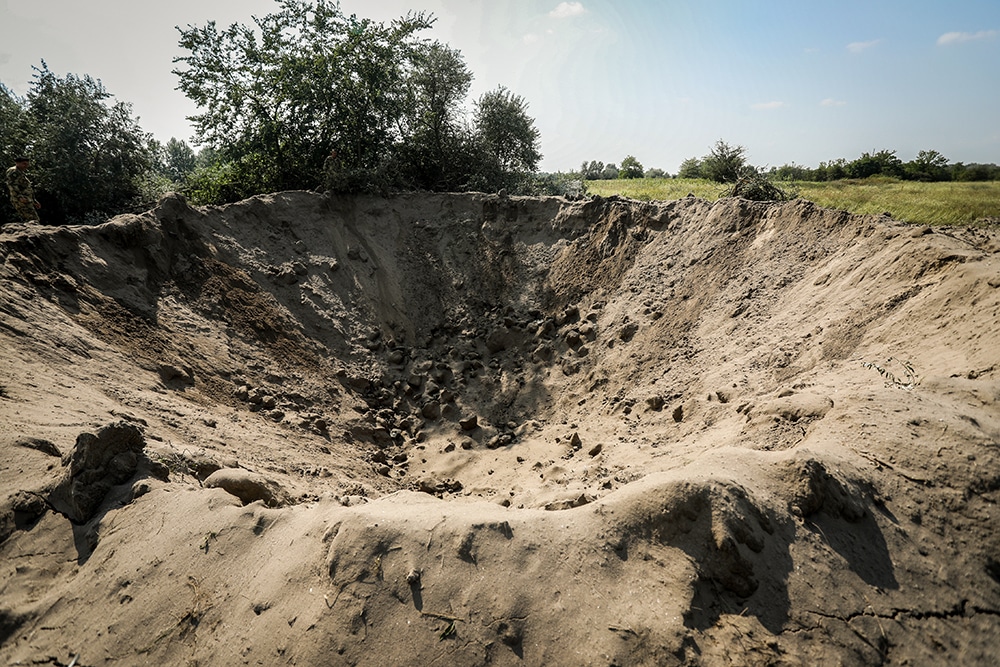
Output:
x=858 y=47
x=567 y=9
x=959 y=37
x=767 y=106
x=830 y=102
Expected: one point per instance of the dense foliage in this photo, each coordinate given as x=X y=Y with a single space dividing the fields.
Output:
x=437 y=156
x=276 y=97
x=927 y=166
x=631 y=168
x=89 y=155
x=724 y=163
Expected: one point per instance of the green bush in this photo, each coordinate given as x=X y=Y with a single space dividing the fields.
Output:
x=724 y=163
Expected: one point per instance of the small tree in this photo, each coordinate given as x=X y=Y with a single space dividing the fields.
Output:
x=591 y=171
x=834 y=170
x=690 y=168
x=724 y=163
x=631 y=168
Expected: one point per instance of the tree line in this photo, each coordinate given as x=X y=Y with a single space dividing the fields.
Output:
x=275 y=99
x=725 y=163
x=927 y=166
x=595 y=170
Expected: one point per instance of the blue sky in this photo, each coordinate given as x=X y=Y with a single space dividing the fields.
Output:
x=802 y=81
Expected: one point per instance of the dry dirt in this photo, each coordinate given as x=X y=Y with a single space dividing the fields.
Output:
x=472 y=429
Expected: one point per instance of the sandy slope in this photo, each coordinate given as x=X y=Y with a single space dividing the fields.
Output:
x=465 y=429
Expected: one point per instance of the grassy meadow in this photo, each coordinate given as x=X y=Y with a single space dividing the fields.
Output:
x=945 y=203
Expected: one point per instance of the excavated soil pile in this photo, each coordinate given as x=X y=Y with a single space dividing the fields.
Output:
x=471 y=429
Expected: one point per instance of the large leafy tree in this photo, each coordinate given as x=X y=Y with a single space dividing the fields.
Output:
x=631 y=168
x=879 y=163
x=927 y=166
x=89 y=154
x=436 y=155
x=508 y=139
x=275 y=97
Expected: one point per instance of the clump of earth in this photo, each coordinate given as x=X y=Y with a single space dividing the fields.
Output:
x=468 y=429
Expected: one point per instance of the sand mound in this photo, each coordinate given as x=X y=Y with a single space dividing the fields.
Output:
x=469 y=429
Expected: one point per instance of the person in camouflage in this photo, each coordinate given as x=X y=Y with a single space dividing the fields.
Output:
x=331 y=171
x=22 y=195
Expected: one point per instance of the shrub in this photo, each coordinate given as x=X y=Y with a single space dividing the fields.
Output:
x=559 y=184
x=690 y=168
x=755 y=185
x=724 y=164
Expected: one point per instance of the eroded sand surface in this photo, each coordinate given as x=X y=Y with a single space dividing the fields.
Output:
x=466 y=430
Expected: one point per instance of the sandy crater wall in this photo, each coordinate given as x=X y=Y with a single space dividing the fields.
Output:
x=479 y=429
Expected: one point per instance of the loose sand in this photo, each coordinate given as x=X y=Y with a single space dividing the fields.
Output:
x=470 y=429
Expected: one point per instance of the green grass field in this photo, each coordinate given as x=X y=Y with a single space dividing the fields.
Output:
x=948 y=203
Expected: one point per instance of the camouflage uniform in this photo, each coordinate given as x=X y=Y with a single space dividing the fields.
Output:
x=22 y=196
x=331 y=172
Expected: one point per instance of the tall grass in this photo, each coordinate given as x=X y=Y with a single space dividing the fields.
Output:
x=948 y=203
x=649 y=189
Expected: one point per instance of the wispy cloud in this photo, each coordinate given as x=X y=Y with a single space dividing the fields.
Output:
x=767 y=106
x=565 y=10
x=534 y=37
x=960 y=37
x=830 y=102
x=860 y=47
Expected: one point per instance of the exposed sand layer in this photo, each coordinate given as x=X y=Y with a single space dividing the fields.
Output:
x=470 y=429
